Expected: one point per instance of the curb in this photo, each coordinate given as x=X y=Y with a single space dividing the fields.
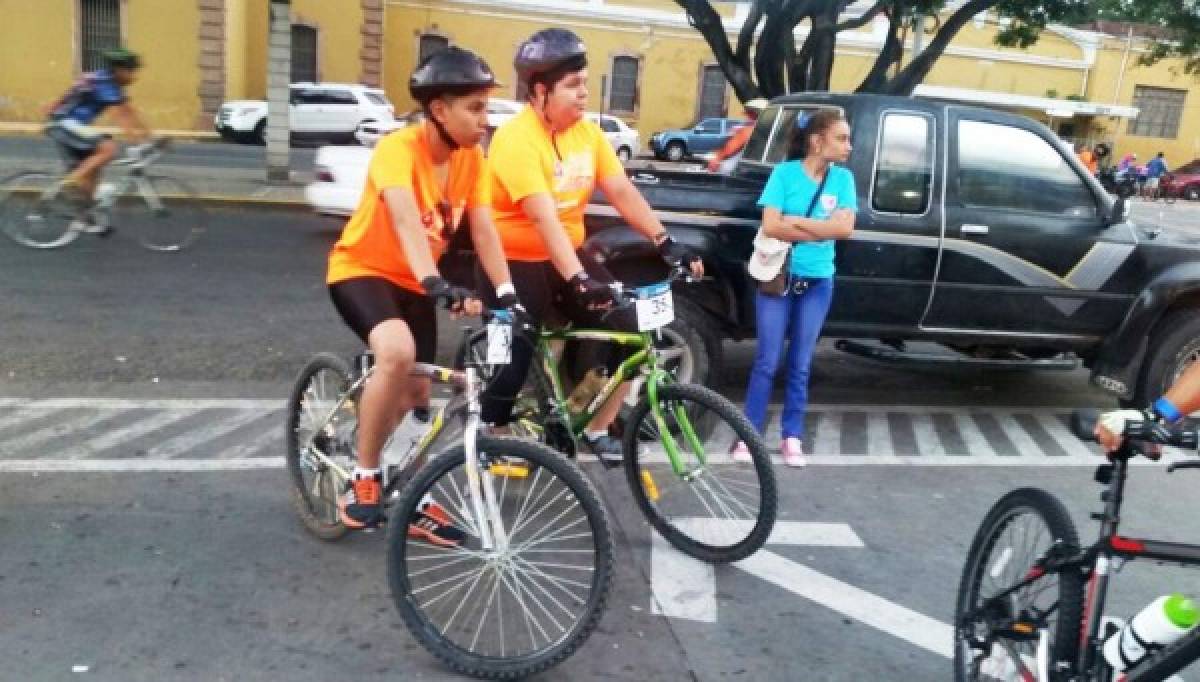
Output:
x=12 y=129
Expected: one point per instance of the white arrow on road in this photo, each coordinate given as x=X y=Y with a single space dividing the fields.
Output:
x=684 y=587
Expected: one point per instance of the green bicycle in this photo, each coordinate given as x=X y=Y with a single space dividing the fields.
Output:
x=677 y=439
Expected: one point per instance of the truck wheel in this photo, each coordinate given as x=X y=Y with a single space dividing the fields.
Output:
x=259 y=136
x=695 y=334
x=676 y=151
x=1174 y=346
x=1192 y=193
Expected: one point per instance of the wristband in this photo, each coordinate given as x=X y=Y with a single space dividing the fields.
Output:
x=1167 y=410
x=504 y=289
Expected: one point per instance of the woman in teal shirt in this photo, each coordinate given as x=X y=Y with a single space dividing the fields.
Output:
x=797 y=315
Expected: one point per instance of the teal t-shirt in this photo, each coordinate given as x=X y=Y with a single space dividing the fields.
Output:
x=790 y=190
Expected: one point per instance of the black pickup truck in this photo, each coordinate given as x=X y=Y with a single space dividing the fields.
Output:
x=977 y=230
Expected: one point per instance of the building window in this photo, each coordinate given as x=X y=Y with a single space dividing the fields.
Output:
x=1159 y=111
x=304 y=54
x=712 y=92
x=99 y=30
x=623 y=85
x=429 y=44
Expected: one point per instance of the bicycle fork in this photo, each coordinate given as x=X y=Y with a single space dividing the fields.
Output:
x=481 y=484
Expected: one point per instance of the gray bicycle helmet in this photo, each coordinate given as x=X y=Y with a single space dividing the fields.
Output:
x=548 y=50
x=452 y=70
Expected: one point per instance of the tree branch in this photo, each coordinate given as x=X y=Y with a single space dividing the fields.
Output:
x=746 y=35
x=710 y=25
x=911 y=75
x=864 y=19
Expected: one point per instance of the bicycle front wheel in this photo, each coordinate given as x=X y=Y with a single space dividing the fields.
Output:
x=712 y=508
x=162 y=213
x=509 y=612
x=317 y=423
x=31 y=221
x=1018 y=531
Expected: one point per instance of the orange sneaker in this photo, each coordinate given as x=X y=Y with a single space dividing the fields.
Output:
x=432 y=524
x=359 y=507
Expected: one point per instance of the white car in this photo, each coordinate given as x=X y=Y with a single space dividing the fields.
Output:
x=625 y=141
x=498 y=112
x=340 y=174
x=317 y=110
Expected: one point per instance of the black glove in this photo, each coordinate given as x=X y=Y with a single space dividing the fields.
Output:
x=676 y=254
x=449 y=296
x=590 y=292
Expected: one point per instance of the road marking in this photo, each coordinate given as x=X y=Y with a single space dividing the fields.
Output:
x=928 y=443
x=683 y=587
x=155 y=404
x=190 y=439
x=879 y=437
x=137 y=465
x=974 y=439
x=828 y=437
x=33 y=438
x=115 y=437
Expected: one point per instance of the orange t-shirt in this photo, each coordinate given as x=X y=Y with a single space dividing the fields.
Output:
x=735 y=143
x=369 y=245
x=523 y=160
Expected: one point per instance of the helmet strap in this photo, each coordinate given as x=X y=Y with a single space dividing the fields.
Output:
x=437 y=125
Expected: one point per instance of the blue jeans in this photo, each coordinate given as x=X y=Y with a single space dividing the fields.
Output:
x=797 y=317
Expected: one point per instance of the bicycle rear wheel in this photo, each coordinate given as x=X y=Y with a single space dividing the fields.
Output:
x=716 y=510
x=168 y=219
x=512 y=613
x=315 y=422
x=31 y=221
x=1017 y=532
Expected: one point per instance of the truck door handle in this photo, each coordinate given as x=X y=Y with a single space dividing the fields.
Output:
x=974 y=229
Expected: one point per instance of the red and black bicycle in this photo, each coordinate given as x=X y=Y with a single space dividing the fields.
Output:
x=1031 y=600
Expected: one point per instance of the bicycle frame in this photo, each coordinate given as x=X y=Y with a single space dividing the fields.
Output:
x=644 y=361
x=1097 y=562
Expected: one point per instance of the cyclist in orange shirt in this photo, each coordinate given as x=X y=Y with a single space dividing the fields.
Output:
x=383 y=276
x=545 y=163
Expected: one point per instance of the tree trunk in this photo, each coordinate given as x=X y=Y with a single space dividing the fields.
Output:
x=911 y=76
x=893 y=49
x=279 y=74
x=706 y=20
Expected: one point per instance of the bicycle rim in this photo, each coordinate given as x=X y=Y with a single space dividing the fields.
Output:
x=316 y=423
x=505 y=614
x=716 y=509
x=1018 y=532
x=31 y=222
x=173 y=226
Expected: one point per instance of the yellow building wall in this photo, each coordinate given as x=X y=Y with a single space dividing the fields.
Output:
x=38 y=36
x=166 y=35
x=236 y=25
x=339 y=36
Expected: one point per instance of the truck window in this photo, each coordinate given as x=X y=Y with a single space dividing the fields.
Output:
x=904 y=165
x=781 y=142
x=757 y=145
x=1001 y=166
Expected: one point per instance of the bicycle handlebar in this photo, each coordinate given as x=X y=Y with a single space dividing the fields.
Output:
x=1083 y=425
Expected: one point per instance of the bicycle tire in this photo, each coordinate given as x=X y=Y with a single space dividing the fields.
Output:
x=174 y=227
x=1057 y=521
x=318 y=512
x=30 y=222
x=680 y=534
x=543 y=463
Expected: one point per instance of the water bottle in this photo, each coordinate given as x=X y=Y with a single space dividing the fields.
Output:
x=1164 y=621
x=106 y=194
x=587 y=388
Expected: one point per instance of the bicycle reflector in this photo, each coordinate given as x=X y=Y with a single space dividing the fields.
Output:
x=649 y=485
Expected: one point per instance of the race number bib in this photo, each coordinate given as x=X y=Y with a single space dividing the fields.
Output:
x=655 y=306
x=499 y=339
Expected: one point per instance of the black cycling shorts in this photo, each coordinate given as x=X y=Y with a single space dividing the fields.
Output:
x=364 y=302
x=76 y=141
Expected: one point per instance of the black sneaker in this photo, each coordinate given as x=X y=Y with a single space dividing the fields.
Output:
x=360 y=507
x=607 y=448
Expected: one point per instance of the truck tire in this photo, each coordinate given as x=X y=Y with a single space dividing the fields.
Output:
x=702 y=360
x=259 y=134
x=1174 y=345
x=676 y=151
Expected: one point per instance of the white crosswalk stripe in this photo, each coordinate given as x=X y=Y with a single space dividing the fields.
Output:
x=191 y=430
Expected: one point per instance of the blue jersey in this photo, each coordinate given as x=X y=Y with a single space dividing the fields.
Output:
x=1156 y=168
x=790 y=190
x=91 y=95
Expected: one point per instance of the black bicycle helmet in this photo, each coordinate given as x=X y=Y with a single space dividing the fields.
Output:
x=547 y=50
x=121 y=58
x=449 y=71
x=452 y=70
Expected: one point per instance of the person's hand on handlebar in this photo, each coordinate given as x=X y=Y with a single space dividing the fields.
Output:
x=592 y=293
x=678 y=255
x=1111 y=429
x=458 y=300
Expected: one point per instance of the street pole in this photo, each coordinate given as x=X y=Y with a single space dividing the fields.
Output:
x=918 y=36
x=279 y=75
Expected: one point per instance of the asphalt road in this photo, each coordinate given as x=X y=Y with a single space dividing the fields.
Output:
x=186 y=154
x=180 y=575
